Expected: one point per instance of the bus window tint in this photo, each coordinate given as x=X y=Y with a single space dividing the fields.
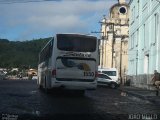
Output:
x=110 y=73
x=78 y=43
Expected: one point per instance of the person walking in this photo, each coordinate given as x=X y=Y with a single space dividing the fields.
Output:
x=156 y=79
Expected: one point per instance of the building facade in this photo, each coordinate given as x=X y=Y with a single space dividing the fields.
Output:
x=144 y=42
x=114 y=43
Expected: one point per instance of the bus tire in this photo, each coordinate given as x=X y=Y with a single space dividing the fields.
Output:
x=40 y=87
x=45 y=86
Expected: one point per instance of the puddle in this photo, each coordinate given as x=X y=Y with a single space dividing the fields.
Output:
x=139 y=100
x=18 y=95
x=37 y=113
x=26 y=109
x=21 y=108
x=123 y=102
x=124 y=94
x=33 y=92
x=120 y=103
x=116 y=104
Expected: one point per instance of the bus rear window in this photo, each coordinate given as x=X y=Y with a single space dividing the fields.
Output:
x=78 y=43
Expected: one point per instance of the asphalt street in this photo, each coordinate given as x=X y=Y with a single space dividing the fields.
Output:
x=21 y=99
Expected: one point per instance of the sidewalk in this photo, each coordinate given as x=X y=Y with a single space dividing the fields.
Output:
x=144 y=94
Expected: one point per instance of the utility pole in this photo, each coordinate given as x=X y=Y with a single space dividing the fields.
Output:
x=102 y=46
x=120 y=67
x=113 y=41
x=104 y=36
x=113 y=32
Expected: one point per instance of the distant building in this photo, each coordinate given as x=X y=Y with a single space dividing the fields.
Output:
x=2 y=74
x=14 y=69
x=144 y=42
x=4 y=70
x=114 y=43
x=32 y=72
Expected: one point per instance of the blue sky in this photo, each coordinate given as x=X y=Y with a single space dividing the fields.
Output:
x=32 y=20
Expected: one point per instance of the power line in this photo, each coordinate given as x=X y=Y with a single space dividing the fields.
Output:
x=22 y=1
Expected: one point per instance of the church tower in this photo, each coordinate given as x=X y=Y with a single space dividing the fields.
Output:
x=114 y=43
x=121 y=1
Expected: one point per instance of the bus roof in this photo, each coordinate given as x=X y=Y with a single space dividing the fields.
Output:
x=76 y=34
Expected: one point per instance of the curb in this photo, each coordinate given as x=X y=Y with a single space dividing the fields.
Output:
x=154 y=101
x=134 y=94
x=157 y=102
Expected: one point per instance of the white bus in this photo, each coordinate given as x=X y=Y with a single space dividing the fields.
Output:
x=69 y=61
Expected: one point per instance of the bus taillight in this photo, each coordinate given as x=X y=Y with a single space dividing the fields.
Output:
x=96 y=74
x=54 y=73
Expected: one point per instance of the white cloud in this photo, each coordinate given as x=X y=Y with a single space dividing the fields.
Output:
x=58 y=16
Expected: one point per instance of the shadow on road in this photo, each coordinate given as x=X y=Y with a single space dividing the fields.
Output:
x=58 y=92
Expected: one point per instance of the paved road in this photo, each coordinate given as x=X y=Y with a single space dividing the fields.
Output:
x=22 y=99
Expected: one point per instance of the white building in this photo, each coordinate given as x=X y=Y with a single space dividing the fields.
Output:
x=144 y=42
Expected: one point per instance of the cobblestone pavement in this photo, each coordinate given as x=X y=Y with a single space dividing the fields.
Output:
x=21 y=99
x=145 y=94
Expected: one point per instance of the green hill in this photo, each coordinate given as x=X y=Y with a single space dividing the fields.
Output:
x=20 y=54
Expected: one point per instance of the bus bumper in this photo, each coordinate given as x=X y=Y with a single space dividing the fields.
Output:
x=74 y=85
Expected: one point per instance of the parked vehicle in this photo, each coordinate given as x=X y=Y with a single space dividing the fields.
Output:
x=111 y=72
x=104 y=79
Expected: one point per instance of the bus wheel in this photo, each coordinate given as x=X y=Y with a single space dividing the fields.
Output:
x=45 y=87
x=46 y=90
x=40 y=87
